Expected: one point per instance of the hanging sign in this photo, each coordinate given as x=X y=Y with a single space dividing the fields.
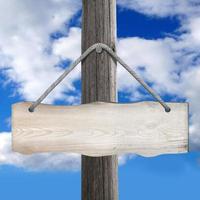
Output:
x=101 y=129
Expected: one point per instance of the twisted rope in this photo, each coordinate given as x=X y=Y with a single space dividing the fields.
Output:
x=99 y=47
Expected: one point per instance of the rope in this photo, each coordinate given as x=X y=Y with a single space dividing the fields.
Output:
x=99 y=47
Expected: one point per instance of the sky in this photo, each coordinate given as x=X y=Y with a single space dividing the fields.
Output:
x=39 y=39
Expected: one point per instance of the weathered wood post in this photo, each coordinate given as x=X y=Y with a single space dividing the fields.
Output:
x=99 y=174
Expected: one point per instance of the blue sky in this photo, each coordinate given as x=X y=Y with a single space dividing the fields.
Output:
x=165 y=42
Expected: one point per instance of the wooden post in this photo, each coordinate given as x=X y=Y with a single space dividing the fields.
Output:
x=99 y=174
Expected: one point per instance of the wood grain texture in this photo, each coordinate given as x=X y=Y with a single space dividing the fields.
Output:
x=100 y=129
x=99 y=174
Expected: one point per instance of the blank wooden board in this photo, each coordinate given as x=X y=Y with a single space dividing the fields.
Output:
x=100 y=129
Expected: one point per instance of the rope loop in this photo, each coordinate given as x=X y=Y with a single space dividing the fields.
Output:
x=99 y=47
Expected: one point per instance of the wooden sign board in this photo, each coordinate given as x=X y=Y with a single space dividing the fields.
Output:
x=100 y=129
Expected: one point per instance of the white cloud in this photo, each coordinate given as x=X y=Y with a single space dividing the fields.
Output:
x=191 y=90
x=162 y=8
x=194 y=29
x=123 y=159
x=69 y=47
x=152 y=59
x=25 y=45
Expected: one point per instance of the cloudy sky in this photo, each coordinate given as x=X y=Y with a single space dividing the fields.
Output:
x=159 y=39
